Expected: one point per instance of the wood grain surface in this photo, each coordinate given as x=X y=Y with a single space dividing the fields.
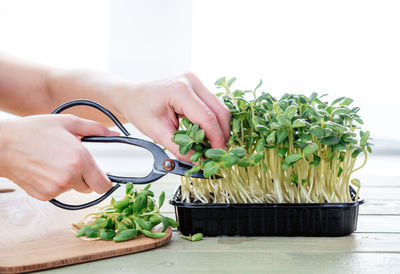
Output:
x=37 y=235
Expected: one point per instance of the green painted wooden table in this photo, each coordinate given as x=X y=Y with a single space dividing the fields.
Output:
x=373 y=248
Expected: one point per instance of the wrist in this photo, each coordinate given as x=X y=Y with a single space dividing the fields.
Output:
x=122 y=98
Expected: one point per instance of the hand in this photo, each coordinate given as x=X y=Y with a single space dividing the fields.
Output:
x=44 y=156
x=154 y=109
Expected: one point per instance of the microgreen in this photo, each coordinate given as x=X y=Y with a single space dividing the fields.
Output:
x=292 y=149
x=137 y=213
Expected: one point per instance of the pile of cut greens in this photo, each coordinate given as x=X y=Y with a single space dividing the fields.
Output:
x=137 y=213
x=295 y=149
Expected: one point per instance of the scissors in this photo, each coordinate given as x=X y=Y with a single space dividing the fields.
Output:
x=161 y=167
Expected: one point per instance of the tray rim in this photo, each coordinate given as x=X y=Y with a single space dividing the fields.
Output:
x=175 y=202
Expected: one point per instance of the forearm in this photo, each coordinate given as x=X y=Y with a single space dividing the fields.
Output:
x=23 y=88
x=27 y=89
x=66 y=85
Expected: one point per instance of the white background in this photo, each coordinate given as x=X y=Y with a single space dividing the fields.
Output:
x=347 y=48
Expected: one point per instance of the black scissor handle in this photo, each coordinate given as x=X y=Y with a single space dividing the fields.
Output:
x=159 y=155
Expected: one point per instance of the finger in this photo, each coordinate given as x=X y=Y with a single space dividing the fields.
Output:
x=94 y=177
x=221 y=111
x=84 y=127
x=185 y=101
x=82 y=187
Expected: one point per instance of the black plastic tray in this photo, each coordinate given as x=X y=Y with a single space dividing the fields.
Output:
x=310 y=219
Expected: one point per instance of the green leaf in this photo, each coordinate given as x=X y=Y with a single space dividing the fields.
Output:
x=281 y=136
x=340 y=111
x=215 y=154
x=260 y=145
x=92 y=232
x=335 y=126
x=199 y=136
x=310 y=149
x=258 y=157
x=304 y=137
x=107 y=234
x=182 y=139
x=347 y=102
x=328 y=132
x=331 y=140
x=121 y=205
x=282 y=151
x=183 y=149
x=238 y=93
x=198 y=147
x=229 y=160
x=180 y=132
x=290 y=112
x=245 y=162
x=238 y=151
x=294 y=179
x=275 y=125
x=139 y=204
x=100 y=223
x=314 y=114
x=263 y=129
x=364 y=138
x=356 y=153
x=236 y=126
x=210 y=168
x=285 y=166
x=271 y=138
x=317 y=131
x=81 y=232
x=315 y=162
x=164 y=222
x=193 y=170
x=220 y=81
x=312 y=97
x=283 y=120
x=161 y=199
x=259 y=85
x=125 y=235
x=340 y=171
x=337 y=100
x=195 y=156
x=186 y=123
x=194 y=130
x=230 y=82
x=298 y=123
x=128 y=188
x=292 y=158
x=339 y=146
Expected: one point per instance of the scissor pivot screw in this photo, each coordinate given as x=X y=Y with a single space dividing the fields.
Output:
x=168 y=164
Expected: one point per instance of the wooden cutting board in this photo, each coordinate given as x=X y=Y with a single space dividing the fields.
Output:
x=37 y=235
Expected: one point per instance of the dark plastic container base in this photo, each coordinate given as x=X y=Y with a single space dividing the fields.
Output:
x=328 y=219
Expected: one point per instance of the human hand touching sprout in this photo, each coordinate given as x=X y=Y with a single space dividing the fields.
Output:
x=44 y=155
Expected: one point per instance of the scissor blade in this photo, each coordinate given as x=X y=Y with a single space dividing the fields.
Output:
x=181 y=167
